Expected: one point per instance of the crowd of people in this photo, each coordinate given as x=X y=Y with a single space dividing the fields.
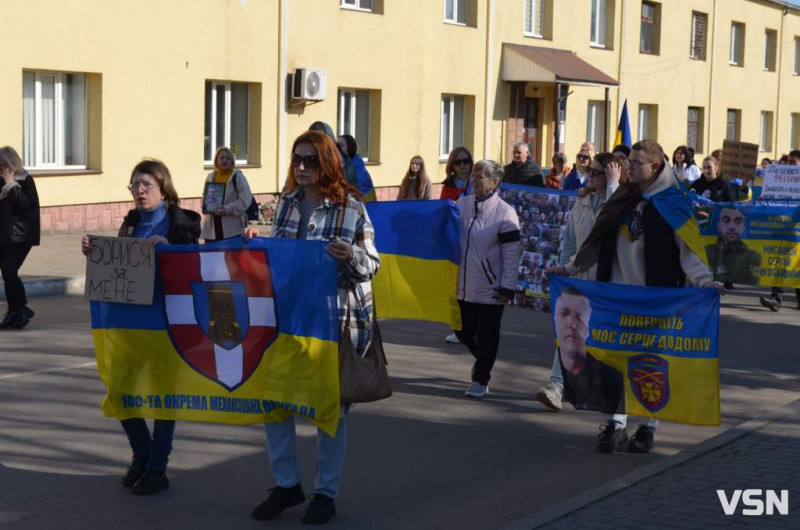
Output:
x=511 y=241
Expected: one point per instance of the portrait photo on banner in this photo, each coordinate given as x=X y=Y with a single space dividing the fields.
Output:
x=213 y=195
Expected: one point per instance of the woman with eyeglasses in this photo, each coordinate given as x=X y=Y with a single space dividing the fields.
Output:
x=19 y=232
x=230 y=219
x=157 y=218
x=605 y=174
x=317 y=203
x=579 y=176
x=459 y=173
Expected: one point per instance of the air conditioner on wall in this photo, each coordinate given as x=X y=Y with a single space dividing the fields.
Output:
x=309 y=84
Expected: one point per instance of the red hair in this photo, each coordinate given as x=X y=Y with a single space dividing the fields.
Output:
x=331 y=180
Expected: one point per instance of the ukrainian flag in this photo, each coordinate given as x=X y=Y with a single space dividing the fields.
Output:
x=237 y=333
x=418 y=244
x=624 y=128
x=676 y=209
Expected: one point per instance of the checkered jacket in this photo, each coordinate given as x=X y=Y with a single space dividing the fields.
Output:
x=351 y=223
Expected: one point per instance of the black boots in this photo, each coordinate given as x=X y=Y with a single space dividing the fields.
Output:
x=17 y=319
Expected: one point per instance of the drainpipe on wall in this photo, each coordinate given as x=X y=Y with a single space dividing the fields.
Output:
x=712 y=50
x=487 y=118
x=283 y=72
x=779 y=66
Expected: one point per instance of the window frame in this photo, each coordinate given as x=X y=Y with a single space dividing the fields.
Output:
x=532 y=19
x=352 y=93
x=356 y=5
x=737 y=124
x=59 y=80
x=456 y=13
x=595 y=121
x=794 y=137
x=652 y=114
x=765 y=126
x=693 y=36
x=444 y=151
x=228 y=109
x=600 y=24
x=738 y=36
x=698 y=126
x=770 y=50
x=656 y=26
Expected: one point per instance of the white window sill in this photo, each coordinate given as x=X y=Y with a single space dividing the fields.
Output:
x=731 y=63
x=454 y=23
x=533 y=35
x=354 y=8
x=598 y=46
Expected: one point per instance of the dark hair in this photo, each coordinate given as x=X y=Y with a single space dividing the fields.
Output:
x=449 y=168
x=766 y=159
x=623 y=149
x=794 y=153
x=606 y=159
x=352 y=146
x=159 y=171
x=687 y=155
x=423 y=176
x=330 y=175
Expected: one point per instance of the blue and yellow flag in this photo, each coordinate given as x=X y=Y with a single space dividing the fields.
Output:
x=676 y=209
x=624 y=128
x=418 y=244
x=648 y=351
x=237 y=333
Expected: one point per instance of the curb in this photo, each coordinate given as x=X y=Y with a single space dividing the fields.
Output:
x=551 y=514
x=49 y=286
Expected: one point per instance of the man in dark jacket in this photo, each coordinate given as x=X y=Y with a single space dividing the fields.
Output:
x=523 y=170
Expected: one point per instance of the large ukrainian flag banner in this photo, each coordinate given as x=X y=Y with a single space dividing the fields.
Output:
x=675 y=207
x=657 y=344
x=418 y=244
x=237 y=333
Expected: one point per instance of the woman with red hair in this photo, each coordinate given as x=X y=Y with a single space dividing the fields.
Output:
x=318 y=204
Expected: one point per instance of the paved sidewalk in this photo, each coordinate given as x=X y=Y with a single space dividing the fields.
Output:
x=681 y=491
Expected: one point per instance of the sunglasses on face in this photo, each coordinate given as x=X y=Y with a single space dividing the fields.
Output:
x=461 y=162
x=597 y=172
x=584 y=157
x=308 y=161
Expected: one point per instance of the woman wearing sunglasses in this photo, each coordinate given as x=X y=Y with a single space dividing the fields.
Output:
x=459 y=174
x=579 y=176
x=318 y=204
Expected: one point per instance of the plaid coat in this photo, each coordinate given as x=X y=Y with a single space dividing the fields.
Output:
x=351 y=223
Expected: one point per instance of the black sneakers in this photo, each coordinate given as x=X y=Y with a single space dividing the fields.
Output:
x=134 y=472
x=320 y=510
x=150 y=483
x=772 y=302
x=610 y=437
x=279 y=499
x=20 y=318
x=642 y=441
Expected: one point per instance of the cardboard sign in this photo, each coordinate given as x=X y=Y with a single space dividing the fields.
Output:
x=739 y=159
x=120 y=270
x=781 y=182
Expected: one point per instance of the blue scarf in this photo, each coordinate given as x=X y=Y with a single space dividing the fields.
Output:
x=153 y=222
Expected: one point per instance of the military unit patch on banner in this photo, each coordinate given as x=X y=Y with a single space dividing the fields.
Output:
x=649 y=378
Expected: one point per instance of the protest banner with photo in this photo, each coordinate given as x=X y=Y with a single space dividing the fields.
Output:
x=213 y=194
x=739 y=159
x=543 y=215
x=120 y=270
x=648 y=351
x=751 y=243
x=781 y=182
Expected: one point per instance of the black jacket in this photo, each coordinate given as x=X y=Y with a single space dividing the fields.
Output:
x=719 y=189
x=528 y=174
x=184 y=225
x=19 y=214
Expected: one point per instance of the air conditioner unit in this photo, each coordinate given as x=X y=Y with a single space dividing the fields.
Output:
x=310 y=84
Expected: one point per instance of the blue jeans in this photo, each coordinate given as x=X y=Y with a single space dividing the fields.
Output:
x=155 y=450
x=556 y=375
x=282 y=451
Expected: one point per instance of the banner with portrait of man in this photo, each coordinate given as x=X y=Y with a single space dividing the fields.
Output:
x=647 y=351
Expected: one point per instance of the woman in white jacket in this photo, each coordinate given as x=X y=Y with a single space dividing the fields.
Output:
x=605 y=174
x=230 y=219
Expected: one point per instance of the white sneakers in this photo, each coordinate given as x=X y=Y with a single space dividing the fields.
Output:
x=477 y=390
x=452 y=339
x=550 y=396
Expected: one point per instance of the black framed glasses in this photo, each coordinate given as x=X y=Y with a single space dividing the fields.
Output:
x=308 y=161
x=584 y=157
x=462 y=162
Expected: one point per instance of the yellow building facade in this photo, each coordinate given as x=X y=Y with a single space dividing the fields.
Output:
x=92 y=86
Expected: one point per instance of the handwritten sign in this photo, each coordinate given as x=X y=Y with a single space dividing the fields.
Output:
x=739 y=159
x=781 y=182
x=121 y=270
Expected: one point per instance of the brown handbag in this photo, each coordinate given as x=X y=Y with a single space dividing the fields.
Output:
x=363 y=379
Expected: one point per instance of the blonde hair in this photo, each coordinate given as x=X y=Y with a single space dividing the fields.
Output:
x=220 y=149
x=10 y=157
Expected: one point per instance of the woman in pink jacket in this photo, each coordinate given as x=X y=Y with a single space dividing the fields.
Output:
x=487 y=275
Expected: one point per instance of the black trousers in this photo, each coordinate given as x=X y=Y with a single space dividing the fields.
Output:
x=777 y=292
x=11 y=258
x=480 y=332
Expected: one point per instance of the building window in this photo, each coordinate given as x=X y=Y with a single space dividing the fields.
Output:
x=797 y=56
x=770 y=49
x=455 y=11
x=650 y=31
x=737 y=44
x=452 y=124
x=697 y=47
x=734 y=123
x=534 y=18
x=595 y=121
x=765 y=136
x=795 y=132
x=226 y=119
x=599 y=23
x=54 y=131
x=694 y=129
x=648 y=122
x=353 y=118
x=360 y=5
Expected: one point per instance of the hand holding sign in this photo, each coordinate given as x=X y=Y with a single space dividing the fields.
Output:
x=120 y=269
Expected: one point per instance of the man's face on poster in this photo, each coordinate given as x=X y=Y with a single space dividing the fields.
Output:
x=572 y=327
x=731 y=225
